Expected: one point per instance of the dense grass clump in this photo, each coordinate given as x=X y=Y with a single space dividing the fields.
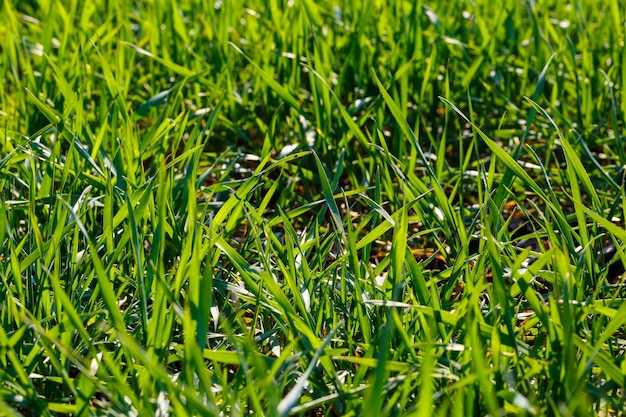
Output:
x=312 y=208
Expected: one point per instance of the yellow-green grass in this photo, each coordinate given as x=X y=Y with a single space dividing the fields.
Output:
x=312 y=208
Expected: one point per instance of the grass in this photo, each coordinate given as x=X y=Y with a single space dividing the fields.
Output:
x=312 y=208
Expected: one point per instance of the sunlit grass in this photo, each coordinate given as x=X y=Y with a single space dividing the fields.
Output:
x=312 y=208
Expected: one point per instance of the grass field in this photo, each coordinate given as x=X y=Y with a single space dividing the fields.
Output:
x=317 y=208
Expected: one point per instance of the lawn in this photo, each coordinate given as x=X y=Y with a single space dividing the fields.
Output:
x=317 y=208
